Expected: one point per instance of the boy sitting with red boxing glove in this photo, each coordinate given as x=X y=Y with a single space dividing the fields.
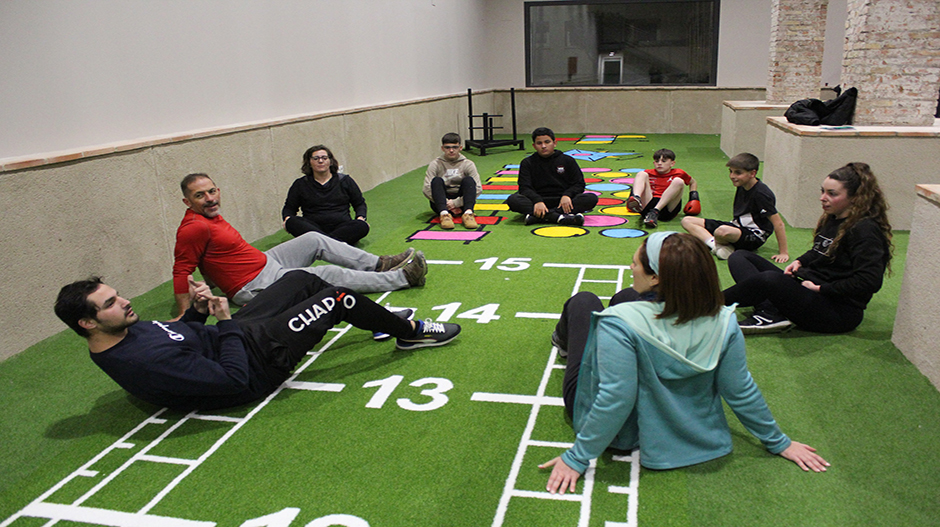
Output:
x=657 y=194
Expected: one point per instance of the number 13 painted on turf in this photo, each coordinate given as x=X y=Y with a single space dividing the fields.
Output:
x=388 y=385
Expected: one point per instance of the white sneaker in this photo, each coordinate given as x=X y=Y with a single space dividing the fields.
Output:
x=722 y=251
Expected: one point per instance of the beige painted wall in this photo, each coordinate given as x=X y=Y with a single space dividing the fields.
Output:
x=617 y=110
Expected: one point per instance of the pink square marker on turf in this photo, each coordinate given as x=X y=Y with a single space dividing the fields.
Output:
x=460 y=236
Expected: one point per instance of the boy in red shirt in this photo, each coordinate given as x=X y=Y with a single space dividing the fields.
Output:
x=657 y=194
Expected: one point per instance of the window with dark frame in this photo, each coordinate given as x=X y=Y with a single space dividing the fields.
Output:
x=622 y=43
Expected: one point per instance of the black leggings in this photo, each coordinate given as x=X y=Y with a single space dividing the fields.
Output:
x=345 y=229
x=760 y=283
x=582 y=202
x=468 y=190
x=573 y=328
x=292 y=315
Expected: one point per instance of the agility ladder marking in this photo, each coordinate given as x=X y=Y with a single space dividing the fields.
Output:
x=75 y=512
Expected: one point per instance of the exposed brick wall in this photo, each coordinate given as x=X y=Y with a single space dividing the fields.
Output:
x=797 y=37
x=892 y=55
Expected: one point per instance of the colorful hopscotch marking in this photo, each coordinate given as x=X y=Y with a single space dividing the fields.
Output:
x=500 y=197
x=607 y=202
x=623 y=180
x=593 y=155
x=507 y=173
x=614 y=276
x=502 y=179
x=597 y=139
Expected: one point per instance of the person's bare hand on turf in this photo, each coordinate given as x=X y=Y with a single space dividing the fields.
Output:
x=562 y=478
x=805 y=457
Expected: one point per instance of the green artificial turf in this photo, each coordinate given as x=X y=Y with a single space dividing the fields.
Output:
x=307 y=455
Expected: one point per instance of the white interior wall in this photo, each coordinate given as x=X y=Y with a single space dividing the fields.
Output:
x=79 y=73
x=83 y=73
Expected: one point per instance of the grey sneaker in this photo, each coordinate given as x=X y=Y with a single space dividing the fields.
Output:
x=652 y=219
x=559 y=345
x=415 y=269
x=429 y=334
x=395 y=261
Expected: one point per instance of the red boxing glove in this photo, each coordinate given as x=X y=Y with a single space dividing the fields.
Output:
x=694 y=206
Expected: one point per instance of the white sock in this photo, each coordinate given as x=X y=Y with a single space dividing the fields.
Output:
x=710 y=243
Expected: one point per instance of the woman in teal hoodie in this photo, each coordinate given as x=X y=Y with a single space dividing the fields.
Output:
x=651 y=374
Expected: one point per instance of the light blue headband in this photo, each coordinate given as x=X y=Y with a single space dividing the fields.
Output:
x=654 y=244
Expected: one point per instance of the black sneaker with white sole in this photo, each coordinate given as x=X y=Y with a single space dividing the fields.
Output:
x=652 y=219
x=559 y=345
x=404 y=313
x=429 y=334
x=571 y=219
x=763 y=322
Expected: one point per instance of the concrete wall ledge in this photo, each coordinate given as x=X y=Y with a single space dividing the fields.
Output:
x=916 y=331
x=798 y=157
x=744 y=126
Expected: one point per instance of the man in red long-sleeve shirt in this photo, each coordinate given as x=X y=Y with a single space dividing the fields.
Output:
x=205 y=240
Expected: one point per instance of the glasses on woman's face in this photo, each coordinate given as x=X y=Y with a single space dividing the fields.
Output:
x=319 y=158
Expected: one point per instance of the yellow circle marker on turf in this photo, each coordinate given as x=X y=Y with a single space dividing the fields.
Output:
x=623 y=194
x=559 y=232
x=496 y=206
x=620 y=211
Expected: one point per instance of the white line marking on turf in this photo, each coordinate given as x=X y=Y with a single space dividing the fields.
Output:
x=551 y=444
x=315 y=386
x=517 y=399
x=446 y=262
x=93 y=516
x=586 y=266
x=221 y=418
x=523 y=314
x=168 y=460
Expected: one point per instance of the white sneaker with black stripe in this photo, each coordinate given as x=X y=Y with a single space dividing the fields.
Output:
x=763 y=322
